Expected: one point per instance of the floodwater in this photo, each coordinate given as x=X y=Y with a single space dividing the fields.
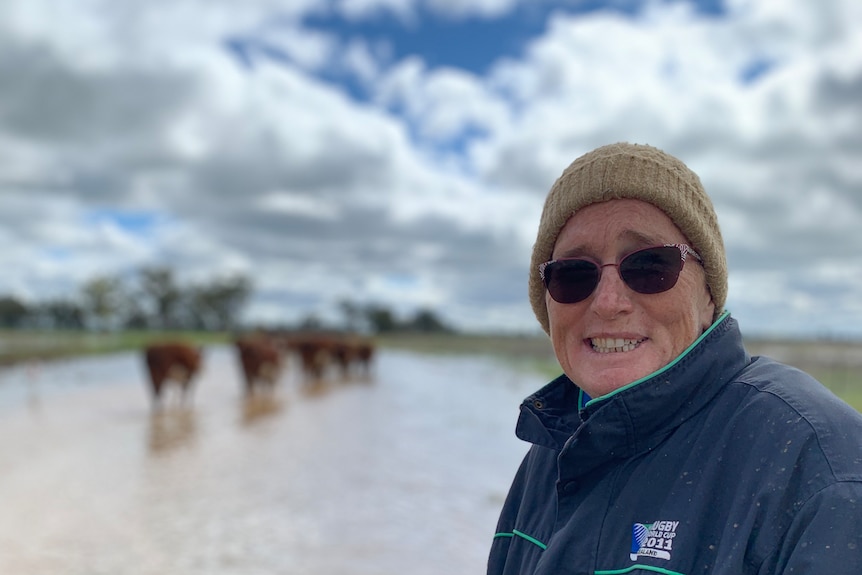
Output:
x=400 y=472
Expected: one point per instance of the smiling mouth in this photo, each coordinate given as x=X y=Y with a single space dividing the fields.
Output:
x=614 y=345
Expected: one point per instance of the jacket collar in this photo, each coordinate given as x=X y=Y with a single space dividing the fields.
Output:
x=637 y=416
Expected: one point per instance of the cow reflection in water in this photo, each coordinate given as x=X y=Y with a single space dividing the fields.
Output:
x=171 y=429
x=172 y=362
x=259 y=407
x=261 y=363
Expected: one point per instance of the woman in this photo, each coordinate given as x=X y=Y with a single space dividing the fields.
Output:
x=665 y=447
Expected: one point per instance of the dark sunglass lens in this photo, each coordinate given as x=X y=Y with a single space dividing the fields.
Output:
x=571 y=281
x=652 y=270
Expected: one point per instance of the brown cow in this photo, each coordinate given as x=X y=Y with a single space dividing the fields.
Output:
x=342 y=353
x=352 y=350
x=172 y=362
x=314 y=355
x=317 y=351
x=364 y=354
x=261 y=362
x=313 y=351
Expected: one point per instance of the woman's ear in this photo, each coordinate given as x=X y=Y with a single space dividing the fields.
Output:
x=707 y=313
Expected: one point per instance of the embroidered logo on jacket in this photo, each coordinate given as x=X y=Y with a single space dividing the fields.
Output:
x=653 y=539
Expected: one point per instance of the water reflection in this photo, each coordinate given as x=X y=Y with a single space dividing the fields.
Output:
x=405 y=475
x=171 y=429
x=317 y=388
x=260 y=406
x=34 y=398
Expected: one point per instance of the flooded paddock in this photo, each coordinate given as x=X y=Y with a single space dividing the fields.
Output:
x=400 y=472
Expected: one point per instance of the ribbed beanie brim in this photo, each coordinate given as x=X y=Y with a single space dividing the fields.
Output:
x=639 y=172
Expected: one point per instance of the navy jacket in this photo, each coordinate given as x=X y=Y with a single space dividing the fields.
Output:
x=718 y=463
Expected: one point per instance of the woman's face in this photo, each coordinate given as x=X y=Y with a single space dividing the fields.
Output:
x=616 y=335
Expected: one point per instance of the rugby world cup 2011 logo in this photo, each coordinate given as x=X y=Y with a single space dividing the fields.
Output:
x=653 y=539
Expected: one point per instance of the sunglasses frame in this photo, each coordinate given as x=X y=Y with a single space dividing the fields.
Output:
x=684 y=250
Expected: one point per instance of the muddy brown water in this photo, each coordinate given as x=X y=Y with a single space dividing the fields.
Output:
x=400 y=472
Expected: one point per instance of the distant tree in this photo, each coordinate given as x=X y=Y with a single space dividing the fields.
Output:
x=62 y=314
x=381 y=319
x=162 y=294
x=103 y=298
x=427 y=321
x=13 y=312
x=136 y=317
x=217 y=306
x=310 y=323
x=352 y=315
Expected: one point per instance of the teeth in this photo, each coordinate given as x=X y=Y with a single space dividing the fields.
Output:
x=611 y=345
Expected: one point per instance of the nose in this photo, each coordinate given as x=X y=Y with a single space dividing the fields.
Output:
x=612 y=296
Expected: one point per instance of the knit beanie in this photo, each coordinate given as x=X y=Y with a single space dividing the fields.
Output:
x=640 y=172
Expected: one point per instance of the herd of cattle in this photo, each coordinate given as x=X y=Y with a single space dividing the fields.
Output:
x=262 y=358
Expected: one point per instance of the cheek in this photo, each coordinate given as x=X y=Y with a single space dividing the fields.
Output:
x=562 y=321
x=702 y=307
x=561 y=317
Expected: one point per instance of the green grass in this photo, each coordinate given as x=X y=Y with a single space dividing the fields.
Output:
x=845 y=382
x=26 y=345
x=533 y=353
x=458 y=343
x=838 y=365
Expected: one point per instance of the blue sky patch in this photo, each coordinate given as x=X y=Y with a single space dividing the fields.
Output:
x=401 y=281
x=475 y=43
x=57 y=253
x=469 y=43
x=138 y=223
x=755 y=69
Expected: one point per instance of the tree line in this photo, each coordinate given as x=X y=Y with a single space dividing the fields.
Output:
x=152 y=299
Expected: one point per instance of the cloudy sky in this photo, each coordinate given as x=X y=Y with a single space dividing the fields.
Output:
x=398 y=151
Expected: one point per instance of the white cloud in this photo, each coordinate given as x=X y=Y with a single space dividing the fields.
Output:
x=464 y=8
x=407 y=10
x=362 y=9
x=268 y=169
x=443 y=104
x=297 y=205
x=364 y=61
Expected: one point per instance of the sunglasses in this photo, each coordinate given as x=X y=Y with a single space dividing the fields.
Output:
x=646 y=271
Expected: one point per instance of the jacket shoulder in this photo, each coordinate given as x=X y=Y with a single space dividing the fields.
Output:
x=814 y=413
